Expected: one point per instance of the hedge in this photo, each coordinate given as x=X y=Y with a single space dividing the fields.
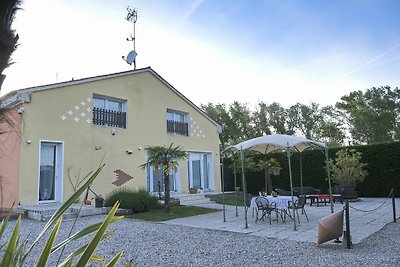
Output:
x=383 y=166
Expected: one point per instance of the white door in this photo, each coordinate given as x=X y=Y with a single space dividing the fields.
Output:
x=50 y=172
x=200 y=170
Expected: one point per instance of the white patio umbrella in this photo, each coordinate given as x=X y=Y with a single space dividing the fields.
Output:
x=280 y=142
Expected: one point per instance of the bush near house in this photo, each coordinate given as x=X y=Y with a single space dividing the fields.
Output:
x=135 y=200
x=383 y=167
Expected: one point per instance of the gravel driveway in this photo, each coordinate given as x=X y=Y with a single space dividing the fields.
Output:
x=156 y=244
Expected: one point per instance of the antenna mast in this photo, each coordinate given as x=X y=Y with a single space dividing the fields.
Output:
x=131 y=57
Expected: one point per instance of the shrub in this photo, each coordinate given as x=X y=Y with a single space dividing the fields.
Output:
x=136 y=200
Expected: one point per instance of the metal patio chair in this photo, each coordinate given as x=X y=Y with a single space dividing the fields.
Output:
x=265 y=209
x=299 y=205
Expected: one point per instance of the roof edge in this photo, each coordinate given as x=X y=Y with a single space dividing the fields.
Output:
x=12 y=98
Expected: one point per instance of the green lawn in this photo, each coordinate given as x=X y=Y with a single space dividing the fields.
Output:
x=176 y=212
x=231 y=201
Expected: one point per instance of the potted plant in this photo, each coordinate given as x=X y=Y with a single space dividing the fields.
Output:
x=273 y=166
x=346 y=171
x=193 y=190
x=269 y=166
x=98 y=201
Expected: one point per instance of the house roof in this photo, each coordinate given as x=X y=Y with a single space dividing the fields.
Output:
x=18 y=96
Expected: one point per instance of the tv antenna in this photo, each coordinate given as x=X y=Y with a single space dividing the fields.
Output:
x=131 y=57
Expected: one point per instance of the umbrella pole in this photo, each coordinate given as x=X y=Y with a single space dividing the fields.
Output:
x=266 y=179
x=329 y=179
x=223 y=186
x=291 y=184
x=301 y=175
x=234 y=175
x=244 y=190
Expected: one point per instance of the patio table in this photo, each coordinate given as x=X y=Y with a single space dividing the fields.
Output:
x=319 y=198
x=281 y=202
x=324 y=198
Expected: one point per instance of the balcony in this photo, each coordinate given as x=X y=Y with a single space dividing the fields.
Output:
x=109 y=118
x=177 y=127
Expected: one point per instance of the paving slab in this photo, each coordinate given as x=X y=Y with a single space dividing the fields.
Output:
x=367 y=216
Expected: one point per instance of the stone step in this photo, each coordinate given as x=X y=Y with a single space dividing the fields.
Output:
x=45 y=214
x=66 y=216
x=193 y=199
x=196 y=202
x=71 y=213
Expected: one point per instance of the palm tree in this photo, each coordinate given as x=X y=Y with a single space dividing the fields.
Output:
x=8 y=37
x=166 y=158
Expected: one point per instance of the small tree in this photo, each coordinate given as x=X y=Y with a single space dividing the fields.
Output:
x=347 y=169
x=166 y=158
x=269 y=166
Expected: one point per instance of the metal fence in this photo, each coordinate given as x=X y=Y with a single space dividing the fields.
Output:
x=177 y=127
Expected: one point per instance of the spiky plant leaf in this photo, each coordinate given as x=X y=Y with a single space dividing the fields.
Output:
x=11 y=245
x=130 y=264
x=19 y=253
x=97 y=258
x=80 y=250
x=60 y=211
x=44 y=256
x=115 y=259
x=4 y=222
x=84 y=232
x=97 y=237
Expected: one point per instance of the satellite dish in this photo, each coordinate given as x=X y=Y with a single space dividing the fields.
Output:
x=131 y=57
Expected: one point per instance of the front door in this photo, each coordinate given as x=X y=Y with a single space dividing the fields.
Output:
x=200 y=170
x=50 y=172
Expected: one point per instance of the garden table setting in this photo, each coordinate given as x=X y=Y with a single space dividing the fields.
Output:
x=281 y=202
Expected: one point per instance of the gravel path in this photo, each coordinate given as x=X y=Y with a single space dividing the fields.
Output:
x=155 y=244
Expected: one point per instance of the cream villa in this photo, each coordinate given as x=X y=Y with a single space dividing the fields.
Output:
x=63 y=131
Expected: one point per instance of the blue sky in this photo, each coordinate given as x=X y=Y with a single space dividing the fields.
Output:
x=217 y=51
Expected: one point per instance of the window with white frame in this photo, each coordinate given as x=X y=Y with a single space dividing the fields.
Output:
x=177 y=122
x=109 y=111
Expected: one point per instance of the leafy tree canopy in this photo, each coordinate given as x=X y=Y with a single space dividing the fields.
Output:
x=372 y=115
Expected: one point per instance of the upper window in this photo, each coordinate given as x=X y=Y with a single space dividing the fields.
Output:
x=177 y=123
x=109 y=111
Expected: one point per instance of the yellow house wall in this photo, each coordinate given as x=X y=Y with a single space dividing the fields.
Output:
x=87 y=145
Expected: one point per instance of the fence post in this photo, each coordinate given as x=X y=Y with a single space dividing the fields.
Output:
x=348 y=236
x=393 y=205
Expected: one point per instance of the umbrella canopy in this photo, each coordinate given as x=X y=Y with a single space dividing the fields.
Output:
x=270 y=143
